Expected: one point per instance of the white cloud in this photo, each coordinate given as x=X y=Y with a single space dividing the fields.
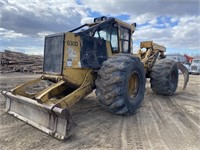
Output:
x=10 y=34
x=33 y=17
x=143 y=18
x=87 y=20
x=173 y=23
x=43 y=34
x=184 y=35
x=26 y=22
x=138 y=7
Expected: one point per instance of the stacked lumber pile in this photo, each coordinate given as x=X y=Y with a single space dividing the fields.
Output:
x=20 y=62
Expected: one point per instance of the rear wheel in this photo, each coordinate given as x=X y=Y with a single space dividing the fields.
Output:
x=121 y=84
x=164 y=77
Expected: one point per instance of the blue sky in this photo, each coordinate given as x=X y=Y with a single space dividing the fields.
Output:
x=172 y=23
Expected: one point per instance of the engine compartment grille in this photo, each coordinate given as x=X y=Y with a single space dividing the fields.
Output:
x=53 y=53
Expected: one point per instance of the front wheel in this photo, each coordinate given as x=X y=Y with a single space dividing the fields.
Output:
x=121 y=84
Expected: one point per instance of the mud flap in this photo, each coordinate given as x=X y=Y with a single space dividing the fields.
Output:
x=54 y=121
x=185 y=73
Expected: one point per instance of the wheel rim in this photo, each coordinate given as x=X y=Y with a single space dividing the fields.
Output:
x=133 y=85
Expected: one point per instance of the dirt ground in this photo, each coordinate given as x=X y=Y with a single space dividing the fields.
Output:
x=160 y=123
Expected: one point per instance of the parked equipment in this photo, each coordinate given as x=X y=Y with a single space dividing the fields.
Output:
x=195 y=66
x=92 y=56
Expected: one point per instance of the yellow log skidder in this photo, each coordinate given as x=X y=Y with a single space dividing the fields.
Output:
x=92 y=56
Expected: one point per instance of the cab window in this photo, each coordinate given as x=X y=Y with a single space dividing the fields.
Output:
x=109 y=34
x=125 y=38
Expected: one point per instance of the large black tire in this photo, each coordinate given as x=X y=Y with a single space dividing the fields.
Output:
x=115 y=86
x=164 y=77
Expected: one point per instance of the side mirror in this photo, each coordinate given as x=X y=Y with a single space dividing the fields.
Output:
x=134 y=27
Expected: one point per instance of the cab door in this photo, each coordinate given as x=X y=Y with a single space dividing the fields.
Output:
x=125 y=39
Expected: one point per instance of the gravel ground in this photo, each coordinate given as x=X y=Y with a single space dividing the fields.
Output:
x=160 y=123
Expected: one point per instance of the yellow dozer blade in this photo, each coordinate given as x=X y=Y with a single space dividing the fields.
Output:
x=44 y=103
x=54 y=121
